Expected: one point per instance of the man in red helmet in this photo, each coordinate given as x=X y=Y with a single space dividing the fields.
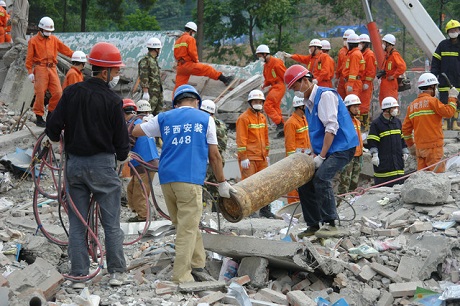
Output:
x=96 y=141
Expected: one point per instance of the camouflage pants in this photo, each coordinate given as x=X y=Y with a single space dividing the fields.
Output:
x=210 y=177
x=156 y=101
x=349 y=175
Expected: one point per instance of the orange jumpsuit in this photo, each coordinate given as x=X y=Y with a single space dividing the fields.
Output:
x=186 y=55
x=424 y=117
x=3 y=21
x=320 y=65
x=252 y=141
x=330 y=68
x=338 y=73
x=296 y=139
x=394 y=66
x=7 y=29
x=41 y=60
x=352 y=71
x=73 y=76
x=368 y=78
x=274 y=76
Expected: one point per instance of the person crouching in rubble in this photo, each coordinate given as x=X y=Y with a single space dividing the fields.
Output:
x=333 y=139
x=75 y=75
x=147 y=150
x=186 y=131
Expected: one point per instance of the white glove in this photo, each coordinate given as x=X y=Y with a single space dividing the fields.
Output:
x=147 y=118
x=349 y=89
x=31 y=77
x=288 y=55
x=268 y=160
x=245 y=164
x=315 y=81
x=405 y=156
x=122 y=162
x=318 y=161
x=53 y=143
x=365 y=86
x=146 y=96
x=453 y=92
x=225 y=188
x=375 y=160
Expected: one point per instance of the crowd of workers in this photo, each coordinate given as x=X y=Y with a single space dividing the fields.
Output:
x=330 y=110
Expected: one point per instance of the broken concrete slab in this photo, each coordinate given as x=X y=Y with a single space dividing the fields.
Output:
x=37 y=246
x=426 y=187
x=404 y=289
x=256 y=269
x=201 y=286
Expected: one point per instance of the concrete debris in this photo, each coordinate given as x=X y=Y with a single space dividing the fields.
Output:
x=426 y=187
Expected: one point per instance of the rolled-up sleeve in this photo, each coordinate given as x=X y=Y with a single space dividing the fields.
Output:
x=151 y=128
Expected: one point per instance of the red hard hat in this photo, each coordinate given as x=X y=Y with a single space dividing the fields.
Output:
x=129 y=102
x=105 y=55
x=293 y=74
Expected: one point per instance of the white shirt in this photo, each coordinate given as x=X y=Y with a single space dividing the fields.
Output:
x=328 y=108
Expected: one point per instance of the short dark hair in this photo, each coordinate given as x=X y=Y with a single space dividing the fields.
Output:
x=97 y=69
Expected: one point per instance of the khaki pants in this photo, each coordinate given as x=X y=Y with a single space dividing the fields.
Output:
x=185 y=205
x=136 y=196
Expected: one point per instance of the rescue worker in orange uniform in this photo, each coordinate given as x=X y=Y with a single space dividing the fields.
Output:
x=41 y=63
x=186 y=55
x=252 y=141
x=368 y=80
x=3 y=21
x=75 y=75
x=317 y=63
x=422 y=127
x=393 y=66
x=339 y=82
x=354 y=66
x=330 y=63
x=7 y=23
x=273 y=80
x=296 y=139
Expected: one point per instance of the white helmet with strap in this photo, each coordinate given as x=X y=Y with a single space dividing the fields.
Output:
x=46 y=24
x=351 y=99
x=389 y=38
x=315 y=43
x=389 y=102
x=427 y=79
x=79 y=56
x=143 y=106
x=326 y=45
x=348 y=33
x=296 y=102
x=256 y=95
x=191 y=25
x=153 y=43
x=208 y=106
x=262 y=49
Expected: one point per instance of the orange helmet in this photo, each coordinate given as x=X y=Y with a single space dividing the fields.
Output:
x=105 y=55
x=129 y=103
x=295 y=73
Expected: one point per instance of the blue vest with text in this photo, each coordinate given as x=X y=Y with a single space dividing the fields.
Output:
x=346 y=136
x=145 y=147
x=185 y=149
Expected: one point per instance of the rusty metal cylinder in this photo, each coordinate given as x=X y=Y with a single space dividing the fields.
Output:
x=267 y=185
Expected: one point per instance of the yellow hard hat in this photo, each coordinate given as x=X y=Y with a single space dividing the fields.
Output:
x=452 y=24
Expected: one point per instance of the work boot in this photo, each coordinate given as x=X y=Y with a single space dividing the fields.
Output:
x=136 y=219
x=455 y=126
x=331 y=231
x=266 y=213
x=310 y=231
x=117 y=279
x=40 y=122
x=226 y=80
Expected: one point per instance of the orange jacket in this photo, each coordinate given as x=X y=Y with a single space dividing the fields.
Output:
x=8 y=27
x=371 y=66
x=296 y=134
x=394 y=64
x=354 y=66
x=3 y=17
x=252 y=136
x=73 y=76
x=274 y=71
x=341 y=61
x=303 y=59
x=42 y=51
x=357 y=125
x=424 y=117
x=185 y=48
x=330 y=67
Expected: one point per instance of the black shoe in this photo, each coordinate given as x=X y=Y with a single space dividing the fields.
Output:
x=266 y=213
x=310 y=231
x=40 y=122
x=280 y=135
x=280 y=126
x=226 y=80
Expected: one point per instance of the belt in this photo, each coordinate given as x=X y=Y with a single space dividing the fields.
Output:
x=49 y=65
x=357 y=78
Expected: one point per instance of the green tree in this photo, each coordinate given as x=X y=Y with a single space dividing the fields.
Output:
x=140 y=20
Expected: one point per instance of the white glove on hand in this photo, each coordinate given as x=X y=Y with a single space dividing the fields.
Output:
x=412 y=150
x=225 y=188
x=245 y=164
x=375 y=160
x=147 y=118
x=288 y=55
x=349 y=89
x=365 y=86
x=405 y=156
x=146 y=96
x=31 y=77
x=53 y=143
x=318 y=161
x=453 y=92
x=268 y=160
x=315 y=81
x=122 y=162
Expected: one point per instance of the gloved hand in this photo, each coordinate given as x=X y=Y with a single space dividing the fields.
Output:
x=225 y=188
x=53 y=143
x=412 y=150
x=245 y=163
x=147 y=118
x=315 y=81
x=365 y=150
x=349 y=89
x=288 y=55
x=122 y=162
x=318 y=161
x=405 y=156
x=268 y=160
x=31 y=77
x=375 y=160
x=453 y=93
x=365 y=86
x=146 y=96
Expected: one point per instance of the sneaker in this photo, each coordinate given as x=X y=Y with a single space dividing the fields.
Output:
x=40 y=122
x=330 y=231
x=117 y=279
x=136 y=219
x=201 y=275
x=310 y=231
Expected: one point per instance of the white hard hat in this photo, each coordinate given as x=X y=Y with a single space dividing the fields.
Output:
x=351 y=99
x=262 y=49
x=364 y=38
x=3 y=3
x=256 y=94
x=153 y=43
x=389 y=102
x=191 y=25
x=296 y=102
x=326 y=45
x=347 y=33
x=46 y=24
x=427 y=79
x=78 y=56
x=143 y=106
x=353 y=39
x=208 y=106
x=315 y=43
x=389 y=38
